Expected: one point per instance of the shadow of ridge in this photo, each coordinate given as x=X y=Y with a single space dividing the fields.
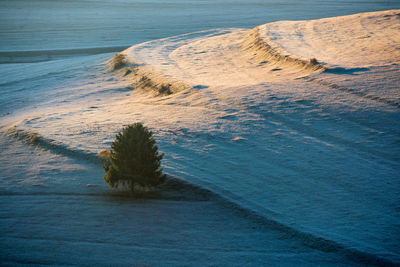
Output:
x=173 y=189
x=180 y=190
x=183 y=188
x=199 y=87
x=350 y=71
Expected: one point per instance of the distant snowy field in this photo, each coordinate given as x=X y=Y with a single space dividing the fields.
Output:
x=305 y=167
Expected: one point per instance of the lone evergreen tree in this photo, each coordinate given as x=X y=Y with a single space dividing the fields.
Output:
x=134 y=159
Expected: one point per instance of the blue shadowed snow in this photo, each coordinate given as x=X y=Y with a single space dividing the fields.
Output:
x=295 y=181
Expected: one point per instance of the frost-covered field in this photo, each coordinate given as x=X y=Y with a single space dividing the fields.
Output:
x=285 y=164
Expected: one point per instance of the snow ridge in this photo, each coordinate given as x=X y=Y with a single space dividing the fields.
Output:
x=34 y=138
x=227 y=198
x=263 y=47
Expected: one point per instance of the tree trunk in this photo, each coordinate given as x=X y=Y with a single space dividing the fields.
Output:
x=132 y=186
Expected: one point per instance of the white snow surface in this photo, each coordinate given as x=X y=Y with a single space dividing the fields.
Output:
x=317 y=152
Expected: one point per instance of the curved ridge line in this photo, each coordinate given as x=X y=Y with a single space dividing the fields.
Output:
x=148 y=80
x=227 y=198
x=256 y=43
x=204 y=33
x=52 y=145
x=319 y=243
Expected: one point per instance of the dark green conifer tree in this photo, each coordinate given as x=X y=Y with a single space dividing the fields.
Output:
x=134 y=159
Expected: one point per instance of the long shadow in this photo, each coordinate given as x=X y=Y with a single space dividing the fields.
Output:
x=175 y=189
x=350 y=71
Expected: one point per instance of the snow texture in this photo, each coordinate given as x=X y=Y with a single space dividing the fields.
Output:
x=272 y=161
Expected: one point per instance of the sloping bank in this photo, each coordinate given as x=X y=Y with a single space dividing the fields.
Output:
x=329 y=55
x=294 y=121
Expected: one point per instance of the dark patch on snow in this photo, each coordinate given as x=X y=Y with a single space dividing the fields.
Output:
x=200 y=87
x=350 y=71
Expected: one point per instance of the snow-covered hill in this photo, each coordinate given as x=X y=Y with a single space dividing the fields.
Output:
x=311 y=148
